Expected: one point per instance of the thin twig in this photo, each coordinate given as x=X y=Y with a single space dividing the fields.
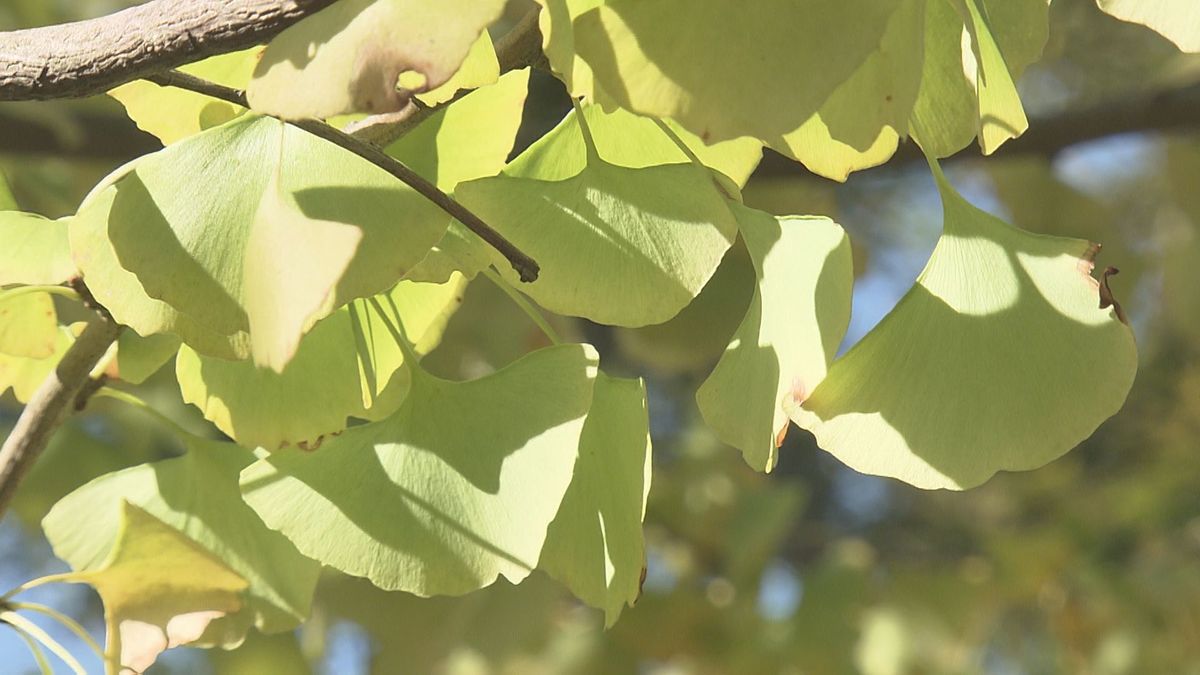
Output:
x=522 y=263
x=50 y=404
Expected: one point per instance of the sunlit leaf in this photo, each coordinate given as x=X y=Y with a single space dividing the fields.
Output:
x=28 y=325
x=33 y=250
x=1000 y=358
x=159 y=590
x=595 y=543
x=347 y=366
x=480 y=68
x=631 y=141
x=173 y=113
x=452 y=491
x=618 y=246
x=645 y=58
x=1176 y=20
x=791 y=331
x=23 y=375
x=366 y=56
x=974 y=50
x=140 y=357
x=556 y=23
x=196 y=498
x=187 y=222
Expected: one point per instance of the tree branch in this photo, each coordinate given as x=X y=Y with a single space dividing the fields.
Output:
x=90 y=57
x=525 y=266
x=50 y=404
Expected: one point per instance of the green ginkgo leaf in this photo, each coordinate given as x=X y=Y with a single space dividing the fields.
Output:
x=195 y=229
x=619 y=246
x=732 y=88
x=140 y=357
x=28 y=324
x=595 y=543
x=631 y=141
x=34 y=250
x=1176 y=20
x=366 y=56
x=159 y=590
x=452 y=491
x=347 y=366
x=974 y=50
x=172 y=114
x=791 y=331
x=196 y=497
x=556 y=22
x=1000 y=358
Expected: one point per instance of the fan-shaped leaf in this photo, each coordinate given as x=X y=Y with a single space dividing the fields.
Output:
x=28 y=325
x=1176 y=20
x=33 y=250
x=1001 y=357
x=453 y=490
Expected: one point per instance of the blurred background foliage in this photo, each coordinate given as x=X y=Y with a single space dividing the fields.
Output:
x=1089 y=565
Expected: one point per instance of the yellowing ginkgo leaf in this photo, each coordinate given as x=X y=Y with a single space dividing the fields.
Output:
x=791 y=331
x=196 y=498
x=366 y=56
x=1002 y=357
x=24 y=375
x=28 y=324
x=452 y=491
x=1176 y=20
x=478 y=69
x=159 y=591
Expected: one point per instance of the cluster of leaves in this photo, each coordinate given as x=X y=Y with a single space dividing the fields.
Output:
x=297 y=286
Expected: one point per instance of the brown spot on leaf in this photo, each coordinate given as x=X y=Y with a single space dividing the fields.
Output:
x=781 y=435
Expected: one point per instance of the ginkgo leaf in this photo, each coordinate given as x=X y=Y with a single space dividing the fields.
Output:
x=140 y=357
x=7 y=201
x=626 y=247
x=34 y=251
x=28 y=324
x=159 y=590
x=974 y=49
x=1176 y=20
x=210 y=252
x=452 y=491
x=1000 y=358
x=23 y=375
x=358 y=56
x=595 y=544
x=791 y=331
x=172 y=113
x=347 y=366
x=480 y=68
x=556 y=23
x=196 y=498
x=731 y=88
x=292 y=265
x=631 y=141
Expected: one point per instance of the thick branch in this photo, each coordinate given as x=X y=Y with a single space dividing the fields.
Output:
x=90 y=57
x=523 y=264
x=50 y=404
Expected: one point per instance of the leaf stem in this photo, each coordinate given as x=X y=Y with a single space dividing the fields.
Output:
x=588 y=141
x=396 y=328
x=526 y=306
x=61 y=291
x=525 y=266
x=67 y=622
x=39 y=655
x=136 y=402
x=38 y=633
x=683 y=147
